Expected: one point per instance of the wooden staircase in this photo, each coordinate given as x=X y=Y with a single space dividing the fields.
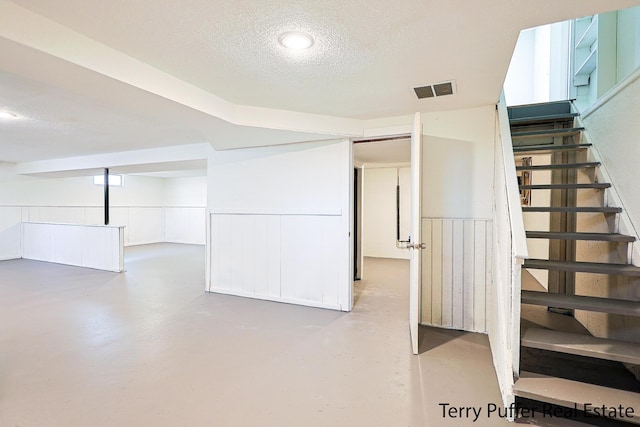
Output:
x=580 y=262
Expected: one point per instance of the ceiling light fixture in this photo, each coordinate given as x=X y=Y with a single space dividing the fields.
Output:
x=296 y=41
x=7 y=115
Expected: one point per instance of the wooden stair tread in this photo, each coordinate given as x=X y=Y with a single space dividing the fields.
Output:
x=576 y=209
x=583 y=267
x=546 y=132
x=543 y=118
x=604 y=237
x=559 y=166
x=568 y=393
x=548 y=148
x=578 y=302
x=540 y=109
x=595 y=185
x=582 y=345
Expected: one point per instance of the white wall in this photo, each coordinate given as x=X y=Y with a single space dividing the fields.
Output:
x=279 y=216
x=151 y=209
x=559 y=62
x=10 y=233
x=379 y=211
x=457 y=178
x=613 y=128
x=518 y=85
x=186 y=191
x=185 y=201
x=280 y=223
x=457 y=211
x=20 y=190
x=137 y=205
x=628 y=42
x=292 y=178
x=539 y=67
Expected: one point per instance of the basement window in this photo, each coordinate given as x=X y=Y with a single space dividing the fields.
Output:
x=114 y=180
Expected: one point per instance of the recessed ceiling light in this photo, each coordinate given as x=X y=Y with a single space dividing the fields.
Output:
x=296 y=40
x=7 y=115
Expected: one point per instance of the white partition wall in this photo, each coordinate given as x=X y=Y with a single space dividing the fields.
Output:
x=151 y=209
x=185 y=202
x=99 y=247
x=280 y=224
x=10 y=233
x=275 y=265
x=185 y=225
x=457 y=218
x=379 y=210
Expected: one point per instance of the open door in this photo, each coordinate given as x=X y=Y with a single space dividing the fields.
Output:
x=415 y=244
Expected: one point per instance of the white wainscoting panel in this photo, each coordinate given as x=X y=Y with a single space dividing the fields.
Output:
x=279 y=257
x=185 y=225
x=94 y=215
x=456 y=268
x=99 y=247
x=86 y=215
x=120 y=216
x=146 y=225
x=57 y=214
x=143 y=225
x=245 y=255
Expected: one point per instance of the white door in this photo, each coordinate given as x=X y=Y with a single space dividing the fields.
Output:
x=416 y=232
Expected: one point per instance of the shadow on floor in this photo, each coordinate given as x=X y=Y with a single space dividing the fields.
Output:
x=430 y=337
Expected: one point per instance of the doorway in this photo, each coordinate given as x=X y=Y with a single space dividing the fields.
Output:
x=388 y=149
x=381 y=207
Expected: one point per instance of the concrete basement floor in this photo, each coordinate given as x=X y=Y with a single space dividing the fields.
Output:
x=149 y=347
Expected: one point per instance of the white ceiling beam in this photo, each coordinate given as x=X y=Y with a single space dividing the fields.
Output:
x=40 y=33
x=181 y=153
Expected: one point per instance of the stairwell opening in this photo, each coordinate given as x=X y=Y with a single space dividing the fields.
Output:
x=579 y=323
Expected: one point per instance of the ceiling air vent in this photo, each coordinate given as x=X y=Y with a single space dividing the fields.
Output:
x=435 y=90
x=424 y=92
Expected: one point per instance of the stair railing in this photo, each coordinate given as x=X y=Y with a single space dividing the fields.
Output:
x=509 y=252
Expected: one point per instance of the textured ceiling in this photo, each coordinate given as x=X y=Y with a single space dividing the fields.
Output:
x=367 y=55
x=73 y=125
x=67 y=111
x=366 y=58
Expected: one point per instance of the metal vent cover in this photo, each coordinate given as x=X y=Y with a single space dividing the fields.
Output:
x=435 y=90
x=442 y=89
x=424 y=92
